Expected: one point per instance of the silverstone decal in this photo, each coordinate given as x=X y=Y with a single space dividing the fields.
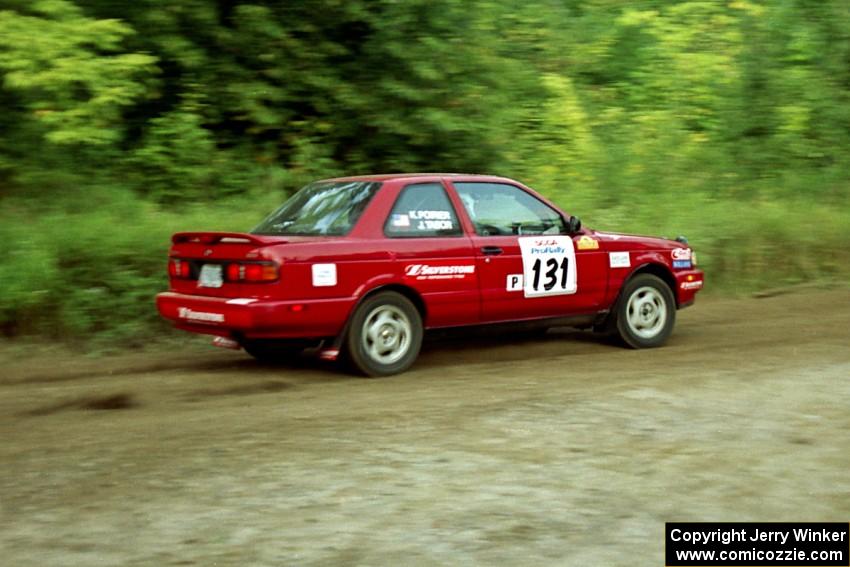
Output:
x=681 y=253
x=430 y=272
x=587 y=243
x=619 y=260
x=324 y=275
x=201 y=316
x=548 y=265
x=691 y=285
x=514 y=282
x=432 y=220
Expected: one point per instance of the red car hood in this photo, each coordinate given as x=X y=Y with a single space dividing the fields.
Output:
x=636 y=242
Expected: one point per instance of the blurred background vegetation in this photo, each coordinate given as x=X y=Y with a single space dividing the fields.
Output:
x=122 y=122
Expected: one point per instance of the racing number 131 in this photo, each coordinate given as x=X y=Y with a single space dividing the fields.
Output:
x=548 y=265
x=553 y=267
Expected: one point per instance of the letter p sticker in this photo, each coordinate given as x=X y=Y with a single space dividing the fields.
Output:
x=514 y=282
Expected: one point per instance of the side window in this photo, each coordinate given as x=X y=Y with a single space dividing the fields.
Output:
x=422 y=210
x=501 y=209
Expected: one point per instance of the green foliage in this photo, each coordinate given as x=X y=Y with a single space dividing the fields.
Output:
x=70 y=71
x=121 y=123
x=82 y=272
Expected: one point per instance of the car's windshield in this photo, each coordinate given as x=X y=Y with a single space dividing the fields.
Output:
x=321 y=208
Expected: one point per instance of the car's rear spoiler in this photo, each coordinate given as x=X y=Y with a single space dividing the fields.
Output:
x=210 y=238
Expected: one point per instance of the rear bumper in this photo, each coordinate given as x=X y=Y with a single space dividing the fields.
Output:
x=254 y=318
x=688 y=283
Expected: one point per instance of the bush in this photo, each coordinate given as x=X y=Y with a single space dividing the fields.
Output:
x=91 y=275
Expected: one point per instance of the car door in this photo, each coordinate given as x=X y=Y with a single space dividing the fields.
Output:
x=528 y=266
x=433 y=254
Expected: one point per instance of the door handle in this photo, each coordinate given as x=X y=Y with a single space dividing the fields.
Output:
x=491 y=250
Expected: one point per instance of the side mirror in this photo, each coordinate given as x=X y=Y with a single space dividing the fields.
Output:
x=574 y=225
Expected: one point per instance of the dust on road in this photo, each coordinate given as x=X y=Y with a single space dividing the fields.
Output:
x=561 y=450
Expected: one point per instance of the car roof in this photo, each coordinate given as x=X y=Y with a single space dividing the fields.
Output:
x=450 y=176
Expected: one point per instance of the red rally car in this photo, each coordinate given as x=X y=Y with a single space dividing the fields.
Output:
x=363 y=265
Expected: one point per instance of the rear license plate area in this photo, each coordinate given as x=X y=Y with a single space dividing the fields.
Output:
x=210 y=276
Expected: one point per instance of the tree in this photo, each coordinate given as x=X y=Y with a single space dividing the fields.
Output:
x=70 y=72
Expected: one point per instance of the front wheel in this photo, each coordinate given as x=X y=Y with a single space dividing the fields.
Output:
x=646 y=312
x=385 y=334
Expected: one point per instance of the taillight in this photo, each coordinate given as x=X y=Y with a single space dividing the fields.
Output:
x=252 y=272
x=178 y=268
x=244 y=272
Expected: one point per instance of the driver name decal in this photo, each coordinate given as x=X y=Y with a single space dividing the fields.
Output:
x=431 y=220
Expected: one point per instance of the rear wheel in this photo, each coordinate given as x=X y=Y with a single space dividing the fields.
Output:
x=385 y=334
x=646 y=312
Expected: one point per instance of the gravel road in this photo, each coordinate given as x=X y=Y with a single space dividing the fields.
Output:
x=553 y=450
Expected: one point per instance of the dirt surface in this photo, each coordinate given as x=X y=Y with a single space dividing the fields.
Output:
x=555 y=450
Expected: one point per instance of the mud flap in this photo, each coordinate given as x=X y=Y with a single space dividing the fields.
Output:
x=334 y=349
x=329 y=353
x=224 y=342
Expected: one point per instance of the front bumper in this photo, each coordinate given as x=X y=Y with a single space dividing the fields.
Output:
x=688 y=283
x=254 y=318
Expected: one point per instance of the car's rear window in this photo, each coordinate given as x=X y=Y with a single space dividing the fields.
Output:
x=321 y=208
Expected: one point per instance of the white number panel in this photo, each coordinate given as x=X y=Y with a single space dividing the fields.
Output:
x=548 y=265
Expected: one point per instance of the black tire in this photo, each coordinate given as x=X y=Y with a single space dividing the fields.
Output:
x=271 y=351
x=384 y=335
x=646 y=312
